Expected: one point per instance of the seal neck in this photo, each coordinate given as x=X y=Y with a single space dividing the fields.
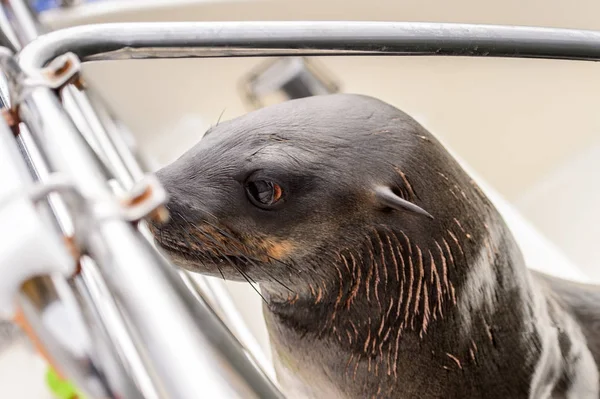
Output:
x=398 y=295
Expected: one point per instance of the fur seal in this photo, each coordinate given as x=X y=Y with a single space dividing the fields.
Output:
x=385 y=270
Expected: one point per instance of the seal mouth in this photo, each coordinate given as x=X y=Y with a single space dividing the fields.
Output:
x=180 y=249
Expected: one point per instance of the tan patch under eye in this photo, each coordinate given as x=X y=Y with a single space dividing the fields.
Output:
x=278 y=249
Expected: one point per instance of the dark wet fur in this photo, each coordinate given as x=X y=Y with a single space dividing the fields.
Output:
x=363 y=300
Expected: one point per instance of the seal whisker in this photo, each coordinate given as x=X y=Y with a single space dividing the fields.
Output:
x=376 y=267
x=266 y=272
x=398 y=334
x=319 y=295
x=349 y=337
x=408 y=246
x=356 y=282
x=383 y=263
x=444 y=266
x=455 y=360
x=394 y=261
x=401 y=257
x=452 y=293
x=457 y=243
x=426 y=311
x=447 y=246
x=248 y=279
x=410 y=290
x=438 y=285
x=369 y=273
x=355 y=330
x=419 y=284
x=368 y=339
x=356 y=367
x=348 y=364
x=406 y=182
x=340 y=294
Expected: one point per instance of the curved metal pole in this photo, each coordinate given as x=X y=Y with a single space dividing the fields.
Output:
x=239 y=376
x=238 y=39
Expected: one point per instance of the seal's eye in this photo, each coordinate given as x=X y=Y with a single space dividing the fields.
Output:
x=264 y=193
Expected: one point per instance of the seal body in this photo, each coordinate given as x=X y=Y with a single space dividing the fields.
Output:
x=385 y=271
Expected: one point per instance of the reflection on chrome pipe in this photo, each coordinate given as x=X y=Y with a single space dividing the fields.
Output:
x=53 y=316
x=102 y=313
x=116 y=160
x=237 y=39
x=8 y=38
x=25 y=25
x=58 y=327
x=79 y=108
x=177 y=333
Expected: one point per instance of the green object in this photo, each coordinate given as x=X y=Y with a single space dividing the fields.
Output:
x=62 y=389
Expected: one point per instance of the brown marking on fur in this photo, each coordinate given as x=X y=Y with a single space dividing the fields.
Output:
x=396 y=352
x=355 y=285
x=425 y=311
x=366 y=346
x=457 y=243
x=356 y=368
x=452 y=293
x=355 y=330
x=376 y=266
x=406 y=182
x=277 y=249
x=419 y=284
x=444 y=176
x=410 y=289
x=383 y=341
x=343 y=259
x=490 y=333
x=401 y=298
x=408 y=246
x=369 y=367
x=340 y=293
x=438 y=285
x=459 y=225
x=454 y=195
x=294 y=299
x=383 y=262
x=444 y=266
x=369 y=274
x=319 y=295
x=312 y=290
x=449 y=251
x=349 y=337
x=455 y=360
x=348 y=364
x=463 y=230
x=394 y=261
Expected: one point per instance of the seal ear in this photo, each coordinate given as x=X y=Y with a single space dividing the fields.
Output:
x=387 y=197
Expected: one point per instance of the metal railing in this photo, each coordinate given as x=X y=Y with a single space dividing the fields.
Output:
x=100 y=320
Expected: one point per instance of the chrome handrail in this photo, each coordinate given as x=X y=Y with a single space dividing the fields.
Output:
x=174 y=345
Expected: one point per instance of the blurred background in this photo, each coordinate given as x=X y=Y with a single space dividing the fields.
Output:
x=529 y=129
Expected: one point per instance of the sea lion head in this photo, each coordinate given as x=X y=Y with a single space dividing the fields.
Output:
x=277 y=196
